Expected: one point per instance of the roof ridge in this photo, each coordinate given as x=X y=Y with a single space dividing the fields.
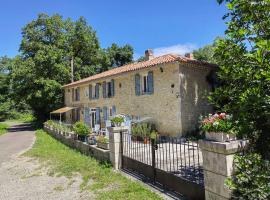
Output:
x=138 y=65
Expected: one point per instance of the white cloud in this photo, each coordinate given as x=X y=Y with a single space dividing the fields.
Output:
x=175 y=49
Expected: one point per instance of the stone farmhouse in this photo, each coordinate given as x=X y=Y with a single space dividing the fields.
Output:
x=169 y=89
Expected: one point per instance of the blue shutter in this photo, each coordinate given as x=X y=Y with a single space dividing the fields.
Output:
x=113 y=110
x=90 y=92
x=87 y=116
x=137 y=84
x=105 y=113
x=112 y=87
x=97 y=91
x=104 y=89
x=150 y=82
x=98 y=115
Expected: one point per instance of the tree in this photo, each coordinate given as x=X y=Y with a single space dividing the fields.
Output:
x=119 y=56
x=206 y=53
x=244 y=60
x=48 y=45
x=84 y=48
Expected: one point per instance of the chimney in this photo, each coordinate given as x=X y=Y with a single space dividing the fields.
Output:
x=149 y=54
x=189 y=55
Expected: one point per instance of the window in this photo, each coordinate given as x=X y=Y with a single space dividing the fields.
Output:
x=96 y=96
x=112 y=111
x=77 y=94
x=86 y=92
x=108 y=89
x=144 y=85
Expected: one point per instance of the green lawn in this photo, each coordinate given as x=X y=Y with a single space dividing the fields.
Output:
x=104 y=182
x=3 y=128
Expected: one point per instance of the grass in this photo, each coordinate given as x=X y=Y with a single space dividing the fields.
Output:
x=97 y=178
x=3 y=128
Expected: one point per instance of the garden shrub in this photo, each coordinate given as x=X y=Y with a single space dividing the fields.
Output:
x=251 y=178
x=142 y=129
x=81 y=128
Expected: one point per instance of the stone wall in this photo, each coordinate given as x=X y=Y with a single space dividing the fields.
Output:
x=174 y=106
x=90 y=150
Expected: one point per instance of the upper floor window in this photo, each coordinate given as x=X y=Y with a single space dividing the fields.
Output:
x=144 y=84
x=94 y=94
x=108 y=89
x=75 y=94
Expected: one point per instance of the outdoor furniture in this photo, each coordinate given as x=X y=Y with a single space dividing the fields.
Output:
x=96 y=129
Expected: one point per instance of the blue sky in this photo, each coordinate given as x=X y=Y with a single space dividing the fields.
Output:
x=176 y=26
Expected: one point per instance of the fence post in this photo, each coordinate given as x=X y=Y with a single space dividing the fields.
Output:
x=115 y=138
x=218 y=165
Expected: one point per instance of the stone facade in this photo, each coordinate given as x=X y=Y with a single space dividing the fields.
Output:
x=175 y=105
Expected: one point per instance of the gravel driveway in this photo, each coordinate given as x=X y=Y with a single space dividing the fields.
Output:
x=24 y=178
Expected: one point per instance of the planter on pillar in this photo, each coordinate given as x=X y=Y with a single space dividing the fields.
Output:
x=218 y=165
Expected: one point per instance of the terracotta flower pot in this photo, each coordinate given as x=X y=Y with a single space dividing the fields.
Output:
x=220 y=136
x=146 y=140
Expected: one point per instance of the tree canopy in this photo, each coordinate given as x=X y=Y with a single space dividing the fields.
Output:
x=206 y=53
x=244 y=60
x=48 y=45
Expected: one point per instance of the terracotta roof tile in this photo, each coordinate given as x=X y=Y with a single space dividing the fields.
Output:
x=139 y=65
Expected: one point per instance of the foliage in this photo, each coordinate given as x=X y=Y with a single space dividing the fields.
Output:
x=102 y=139
x=62 y=160
x=62 y=127
x=48 y=45
x=119 y=56
x=244 y=60
x=218 y=123
x=251 y=178
x=3 y=128
x=143 y=129
x=117 y=121
x=81 y=128
x=206 y=53
x=8 y=108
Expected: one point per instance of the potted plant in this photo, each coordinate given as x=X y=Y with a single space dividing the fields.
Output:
x=103 y=142
x=117 y=121
x=82 y=130
x=219 y=127
x=142 y=132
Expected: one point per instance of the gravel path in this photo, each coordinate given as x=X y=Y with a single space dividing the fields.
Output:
x=24 y=178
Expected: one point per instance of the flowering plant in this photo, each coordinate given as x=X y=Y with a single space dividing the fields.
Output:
x=218 y=123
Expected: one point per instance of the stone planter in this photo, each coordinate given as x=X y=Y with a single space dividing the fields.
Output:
x=220 y=136
x=103 y=145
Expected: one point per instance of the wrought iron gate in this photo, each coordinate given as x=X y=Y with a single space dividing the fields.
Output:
x=173 y=162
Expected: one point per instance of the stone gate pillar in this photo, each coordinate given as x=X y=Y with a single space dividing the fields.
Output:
x=218 y=165
x=115 y=145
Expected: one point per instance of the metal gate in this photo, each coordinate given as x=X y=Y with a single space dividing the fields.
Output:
x=173 y=162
